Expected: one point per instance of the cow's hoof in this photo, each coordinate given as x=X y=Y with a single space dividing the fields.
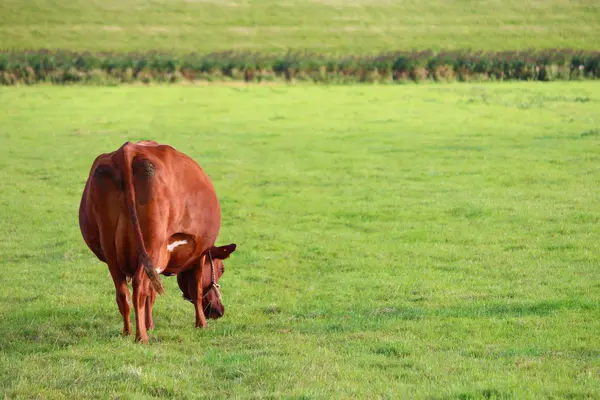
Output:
x=142 y=340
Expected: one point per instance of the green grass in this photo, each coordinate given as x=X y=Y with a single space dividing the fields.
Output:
x=418 y=241
x=354 y=26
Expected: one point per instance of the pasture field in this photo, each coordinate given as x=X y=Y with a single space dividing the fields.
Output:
x=413 y=241
x=327 y=26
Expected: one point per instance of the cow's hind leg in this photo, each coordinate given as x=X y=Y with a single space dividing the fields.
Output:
x=123 y=300
x=141 y=289
x=149 y=304
x=160 y=261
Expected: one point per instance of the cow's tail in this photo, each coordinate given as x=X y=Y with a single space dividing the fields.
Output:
x=131 y=205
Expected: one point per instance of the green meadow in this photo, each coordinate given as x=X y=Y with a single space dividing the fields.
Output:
x=411 y=241
x=325 y=26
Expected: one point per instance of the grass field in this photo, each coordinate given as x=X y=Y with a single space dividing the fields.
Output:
x=430 y=241
x=354 y=26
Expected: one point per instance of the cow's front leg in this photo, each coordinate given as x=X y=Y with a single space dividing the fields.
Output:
x=200 y=317
x=197 y=299
x=141 y=289
x=190 y=284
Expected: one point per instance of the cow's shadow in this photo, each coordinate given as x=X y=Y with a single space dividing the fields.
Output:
x=35 y=324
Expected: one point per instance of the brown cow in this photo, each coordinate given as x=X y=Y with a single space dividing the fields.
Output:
x=148 y=209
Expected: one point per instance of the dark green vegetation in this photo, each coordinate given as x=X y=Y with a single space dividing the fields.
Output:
x=394 y=241
x=113 y=42
x=324 y=26
x=115 y=68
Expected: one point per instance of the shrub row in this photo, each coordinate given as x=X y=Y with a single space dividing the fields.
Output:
x=30 y=67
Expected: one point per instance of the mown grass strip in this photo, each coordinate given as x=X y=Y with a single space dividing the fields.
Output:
x=324 y=26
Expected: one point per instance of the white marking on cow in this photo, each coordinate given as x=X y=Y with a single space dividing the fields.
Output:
x=172 y=246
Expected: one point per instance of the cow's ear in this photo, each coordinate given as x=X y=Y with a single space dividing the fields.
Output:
x=223 y=252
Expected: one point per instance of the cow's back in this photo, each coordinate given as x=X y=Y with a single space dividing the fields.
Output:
x=172 y=195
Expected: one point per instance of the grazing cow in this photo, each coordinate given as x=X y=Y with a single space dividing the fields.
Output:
x=148 y=209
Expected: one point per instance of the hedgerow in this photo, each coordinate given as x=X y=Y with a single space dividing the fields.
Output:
x=63 y=67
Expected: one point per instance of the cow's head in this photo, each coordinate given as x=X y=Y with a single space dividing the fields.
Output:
x=212 y=270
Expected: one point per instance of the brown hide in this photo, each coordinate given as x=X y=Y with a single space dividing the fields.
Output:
x=149 y=209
